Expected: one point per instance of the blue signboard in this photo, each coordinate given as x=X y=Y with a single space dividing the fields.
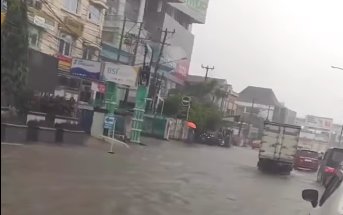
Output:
x=109 y=121
x=85 y=68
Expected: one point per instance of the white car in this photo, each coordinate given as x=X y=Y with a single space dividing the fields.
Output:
x=331 y=201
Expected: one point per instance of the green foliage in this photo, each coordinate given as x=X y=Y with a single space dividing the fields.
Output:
x=203 y=113
x=14 y=50
x=206 y=117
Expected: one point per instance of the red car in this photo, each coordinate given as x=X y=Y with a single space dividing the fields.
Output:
x=306 y=160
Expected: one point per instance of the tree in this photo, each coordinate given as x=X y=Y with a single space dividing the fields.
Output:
x=203 y=112
x=14 y=51
x=172 y=105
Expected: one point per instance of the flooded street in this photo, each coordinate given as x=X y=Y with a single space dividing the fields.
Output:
x=160 y=178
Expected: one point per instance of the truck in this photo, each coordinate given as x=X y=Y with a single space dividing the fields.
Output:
x=278 y=147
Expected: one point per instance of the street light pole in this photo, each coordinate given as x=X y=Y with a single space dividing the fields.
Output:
x=340 y=136
x=335 y=67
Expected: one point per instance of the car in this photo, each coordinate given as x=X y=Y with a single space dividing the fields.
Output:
x=331 y=201
x=306 y=160
x=328 y=165
x=212 y=138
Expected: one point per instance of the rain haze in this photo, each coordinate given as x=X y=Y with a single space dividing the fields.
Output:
x=286 y=45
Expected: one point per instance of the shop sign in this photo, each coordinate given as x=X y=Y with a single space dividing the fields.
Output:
x=120 y=74
x=85 y=68
x=64 y=63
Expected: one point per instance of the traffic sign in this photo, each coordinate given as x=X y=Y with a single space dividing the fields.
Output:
x=109 y=121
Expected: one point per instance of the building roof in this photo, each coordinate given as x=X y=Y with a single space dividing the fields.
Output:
x=199 y=79
x=259 y=95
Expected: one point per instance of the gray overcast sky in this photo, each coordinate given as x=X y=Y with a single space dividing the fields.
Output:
x=286 y=45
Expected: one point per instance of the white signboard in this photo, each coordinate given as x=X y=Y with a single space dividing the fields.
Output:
x=120 y=74
x=318 y=122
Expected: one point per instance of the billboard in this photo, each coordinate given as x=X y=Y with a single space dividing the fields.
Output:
x=318 y=122
x=194 y=8
x=120 y=74
x=85 y=68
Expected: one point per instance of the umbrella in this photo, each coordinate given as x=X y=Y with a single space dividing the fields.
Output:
x=191 y=125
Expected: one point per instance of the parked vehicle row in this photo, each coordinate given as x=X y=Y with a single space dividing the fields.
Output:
x=215 y=139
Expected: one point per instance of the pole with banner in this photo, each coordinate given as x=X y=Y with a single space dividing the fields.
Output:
x=138 y=116
x=141 y=97
x=111 y=102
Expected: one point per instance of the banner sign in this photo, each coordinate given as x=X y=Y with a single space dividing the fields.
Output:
x=85 y=68
x=120 y=74
x=318 y=122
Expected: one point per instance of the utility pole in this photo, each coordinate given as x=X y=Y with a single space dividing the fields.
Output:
x=268 y=113
x=121 y=39
x=207 y=68
x=250 y=115
x=154 y=83
x=137 y=43
x=340 y=137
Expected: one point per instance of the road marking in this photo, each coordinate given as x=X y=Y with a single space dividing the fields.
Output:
x=12 y=144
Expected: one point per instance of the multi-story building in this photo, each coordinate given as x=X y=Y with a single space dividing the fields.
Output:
x=255 y=105
x=259 y=101
x=66 y=30
x=72 y=28
x=284 y=115
x=126 y=20
x=177 y=17
x=316 y=132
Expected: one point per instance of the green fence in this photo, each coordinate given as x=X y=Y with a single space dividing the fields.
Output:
x=154 y=126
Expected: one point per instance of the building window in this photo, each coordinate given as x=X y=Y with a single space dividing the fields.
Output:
x=65 y=44
x=94 y=14
x=33 y=37
x=89 y=53
x=71 y=5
